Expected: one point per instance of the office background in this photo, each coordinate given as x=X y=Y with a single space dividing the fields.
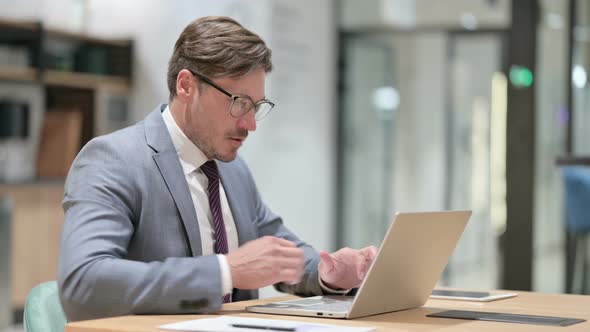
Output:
x=382 y=106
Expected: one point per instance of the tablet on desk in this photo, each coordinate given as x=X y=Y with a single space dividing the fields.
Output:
x=462 y=295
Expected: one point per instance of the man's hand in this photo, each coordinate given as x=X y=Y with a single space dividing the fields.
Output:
x=346 y=268
x=265 y=261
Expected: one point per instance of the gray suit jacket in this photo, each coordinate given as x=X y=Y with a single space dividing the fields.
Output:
x=130 y=241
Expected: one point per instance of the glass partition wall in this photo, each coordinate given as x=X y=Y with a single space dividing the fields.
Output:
x=370 y=102
x=418 y=122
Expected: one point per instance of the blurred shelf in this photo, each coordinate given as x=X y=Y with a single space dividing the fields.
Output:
x=573 y=161
x=22 y=25
x=22 y=74
x=66 y=79
x=88 y=81
x=99 y=62
x=60 y=34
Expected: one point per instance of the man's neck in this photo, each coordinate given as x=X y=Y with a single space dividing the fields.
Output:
x=177 y=114
x=177 y=110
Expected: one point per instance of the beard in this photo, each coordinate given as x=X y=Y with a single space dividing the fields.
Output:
x=207 y=146
x=204 y=137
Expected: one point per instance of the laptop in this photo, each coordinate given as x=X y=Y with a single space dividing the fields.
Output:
x=408 y=264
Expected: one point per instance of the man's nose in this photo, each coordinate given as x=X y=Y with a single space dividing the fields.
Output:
x=248 y=121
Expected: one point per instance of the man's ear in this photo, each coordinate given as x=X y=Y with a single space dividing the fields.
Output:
x=186 y=85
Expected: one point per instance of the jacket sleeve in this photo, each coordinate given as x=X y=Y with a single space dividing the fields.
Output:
x=101 y=205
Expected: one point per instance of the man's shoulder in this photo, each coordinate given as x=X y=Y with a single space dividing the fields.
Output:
x=124 y=146
x=126 y=137
x=129 y=139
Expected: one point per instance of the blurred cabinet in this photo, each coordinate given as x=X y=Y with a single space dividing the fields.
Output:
x=59 y=144
x=37 y=218
x=77 y=73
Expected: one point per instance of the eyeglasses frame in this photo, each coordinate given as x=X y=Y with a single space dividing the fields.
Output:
x=233 y=96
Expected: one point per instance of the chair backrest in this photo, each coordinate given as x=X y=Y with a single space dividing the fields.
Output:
x=577 y=198
x=43 y=311
x=5 y=258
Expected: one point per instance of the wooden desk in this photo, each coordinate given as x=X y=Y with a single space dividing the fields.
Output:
x=574 y=306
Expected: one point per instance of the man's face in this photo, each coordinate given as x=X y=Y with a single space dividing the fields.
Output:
x=208 y=122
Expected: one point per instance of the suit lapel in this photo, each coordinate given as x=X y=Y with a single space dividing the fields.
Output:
x=166 y=159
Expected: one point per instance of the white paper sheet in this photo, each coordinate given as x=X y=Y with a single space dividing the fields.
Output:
x=224 y=324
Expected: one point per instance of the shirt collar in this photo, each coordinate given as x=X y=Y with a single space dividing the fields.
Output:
x=190 y=156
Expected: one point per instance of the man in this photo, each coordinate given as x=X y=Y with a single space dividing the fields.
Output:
x=163 y=217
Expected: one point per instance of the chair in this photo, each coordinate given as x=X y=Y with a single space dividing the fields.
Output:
x=577 y=209
x=43 y=312
x=5 y=258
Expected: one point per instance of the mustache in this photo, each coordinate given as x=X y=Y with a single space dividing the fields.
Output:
x=242 y=133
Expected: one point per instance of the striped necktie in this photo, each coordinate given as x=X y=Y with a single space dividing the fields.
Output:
x=212 y=174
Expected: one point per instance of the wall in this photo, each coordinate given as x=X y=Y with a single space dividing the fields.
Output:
x=408 y=14
x=480 y=13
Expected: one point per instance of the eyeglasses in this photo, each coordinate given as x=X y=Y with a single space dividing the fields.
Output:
x=241 y=105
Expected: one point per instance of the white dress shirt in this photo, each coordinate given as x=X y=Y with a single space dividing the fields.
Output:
x=191 y=158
